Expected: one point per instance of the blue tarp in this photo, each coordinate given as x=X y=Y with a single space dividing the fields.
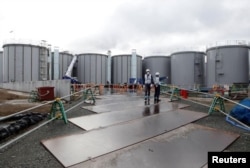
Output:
x=242 y=113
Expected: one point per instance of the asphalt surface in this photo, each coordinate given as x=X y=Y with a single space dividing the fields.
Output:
x=28 y=152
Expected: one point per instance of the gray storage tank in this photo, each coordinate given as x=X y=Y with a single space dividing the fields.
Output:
x=25 y=62
x=159 y=64
x=122 y=68
x=55 y=74
x=187 y=69
x=1 y=66
x=227 y=64
x=92 y=68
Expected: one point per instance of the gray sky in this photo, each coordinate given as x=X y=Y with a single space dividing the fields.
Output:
x=149 y=26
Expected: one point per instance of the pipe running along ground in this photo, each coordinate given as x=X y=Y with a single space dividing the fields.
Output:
x=39 y=126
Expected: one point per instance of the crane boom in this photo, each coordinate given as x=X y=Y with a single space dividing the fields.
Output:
x=69 y=70
x=71 y=65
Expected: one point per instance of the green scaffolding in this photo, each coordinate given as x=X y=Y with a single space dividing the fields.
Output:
x=175 y=95
x=217 y=104
x=88 y=95
x=34 y=97
x=57 y=111
x=165 y=89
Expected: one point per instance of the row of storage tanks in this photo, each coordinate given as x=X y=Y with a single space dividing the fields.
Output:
x=225 y=64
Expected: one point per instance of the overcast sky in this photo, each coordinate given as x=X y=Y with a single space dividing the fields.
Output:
x=149 y=26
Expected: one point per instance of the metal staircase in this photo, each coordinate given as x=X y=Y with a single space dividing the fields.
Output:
x=218 y=66
x=43 y=62
x=198 y=70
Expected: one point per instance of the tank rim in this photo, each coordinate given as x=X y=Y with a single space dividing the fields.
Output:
x=125 y=55
x=66 y=53
x=228 y=46
x=19 y=44
x=188 y=52
x=157 y=56
x=82 y=54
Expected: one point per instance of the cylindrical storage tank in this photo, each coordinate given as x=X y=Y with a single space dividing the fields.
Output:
x=64 y=61
x=227 y=64
x=187 y=69
x=92 y=68
x=1 y=66
x=122 y=68
x=25 y=62
x=159 y=64
x=143 y=68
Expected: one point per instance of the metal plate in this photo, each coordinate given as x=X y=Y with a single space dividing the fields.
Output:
x=128 y=104
x=105 y=119
x=186 y=147
x=115 y=105
x=110 y=99
x=73 y=149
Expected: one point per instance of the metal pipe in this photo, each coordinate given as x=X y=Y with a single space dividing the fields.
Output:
x=34 y=129
x=69 y=70
x=11 y=115
x=234 y=119
x=236 y=103
x=24 y=134
x=221 y=110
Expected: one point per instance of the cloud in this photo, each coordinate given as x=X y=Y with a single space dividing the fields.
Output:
x=150 y=26
x=160 y=26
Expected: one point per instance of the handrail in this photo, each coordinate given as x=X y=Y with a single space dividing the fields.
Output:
x=212 y=95
x=49 y=102
x=34 y=129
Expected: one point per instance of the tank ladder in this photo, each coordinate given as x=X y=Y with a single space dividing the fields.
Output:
x=43 y=62
x=218 y=65
x=197 y=70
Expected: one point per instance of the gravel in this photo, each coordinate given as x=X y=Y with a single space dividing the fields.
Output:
x=28 y=152
x=218 y=120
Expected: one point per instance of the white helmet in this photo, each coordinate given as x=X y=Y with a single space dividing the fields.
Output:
x=147 y=70
x=157 y=73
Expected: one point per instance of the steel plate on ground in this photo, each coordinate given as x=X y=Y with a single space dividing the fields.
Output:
x=73 y=149
x=185 y=147
x=112 y=99
x=116 y=105
x=105 y=119
x=123 y=104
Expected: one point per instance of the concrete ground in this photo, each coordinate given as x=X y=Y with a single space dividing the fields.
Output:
x=28 y=151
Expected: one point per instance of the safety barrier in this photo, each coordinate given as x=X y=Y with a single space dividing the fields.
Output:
x=57 y=112
x=125 y=87
x=215 y=105
x=165 y=89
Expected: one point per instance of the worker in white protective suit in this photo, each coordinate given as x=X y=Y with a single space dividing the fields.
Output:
x=148 y=81
x=157 y=87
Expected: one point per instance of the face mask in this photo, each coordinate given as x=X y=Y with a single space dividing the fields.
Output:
x=147 y=72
